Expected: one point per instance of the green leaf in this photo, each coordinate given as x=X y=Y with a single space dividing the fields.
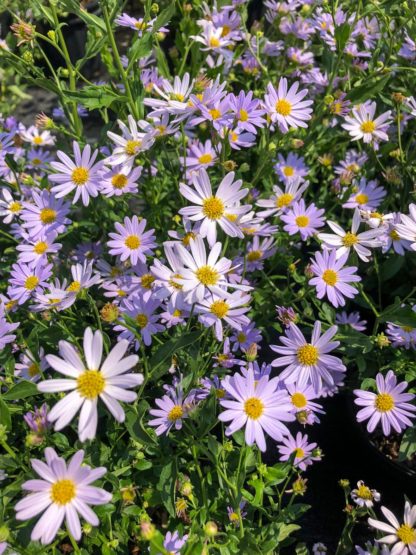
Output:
x=140 y=49
x=368 y=89
x=94 y=97
x=164 y=17
x=21 y=390
x=73 y=6
x=408 y=444
x=170 y=348
x=166 y=486
x=342 y=34
x=5 y=418
x=402 y=316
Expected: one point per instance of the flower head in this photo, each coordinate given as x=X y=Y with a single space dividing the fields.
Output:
x=131 y=241
x=286 y=107
x=400 y=534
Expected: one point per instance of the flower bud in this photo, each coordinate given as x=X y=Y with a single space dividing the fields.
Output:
x=42 y=121
x=110 y=312
x=3 y=433
x=244 y=167
x=329 y=99
x=211 y=529
x=128 y=494
x=24 y=32
x=299 y=486
x=52 y=35
x=147 y=530
x=4 y=533
x=344 y=483
x=154 y=8
x=297 y=143
x=381 y=340
x=186 y=489
x=229 y=165
x=398 y=97
x=272 y=146
x=27 y=57
x=251 y=352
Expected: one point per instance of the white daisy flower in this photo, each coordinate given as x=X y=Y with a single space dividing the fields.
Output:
x=402 y=535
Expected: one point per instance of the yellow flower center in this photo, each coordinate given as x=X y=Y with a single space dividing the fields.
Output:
x=207 y=275
x=254 y=408
x=213 y=208
x=175 y=413
x=330 y=277
x=131 y=147
x=177 y=313
x=132 y=242
x=173 y=283
x=177 y=96
x=63 y=492
x=308 y=355
x=220 y=308
x=243 y=115
x=231 y=217
x=31 y=282
x=241 y=337
x=364 y=492
x=75 y=286
x=302 y=221
x=288 y=171
x=220 y=393
x=47 y=215
x=142 y=320
x=384 y=402
x=33 y=369
x=336 y=108
x=233 y=136
x=299 y=453
x=15 y=207
x=119 y=181
x=368 y=126
x=407 y=329
x=298 y=399
x=284 y=200
x=215 y=114
x=226 y=30
x=90 y=384
x=161 y=129
x=37 y=140
x=254 y=255
x=350 y=239
x=361 y=198
x=36 y=161
x=80 y=176
x=406 y=534
x=187 y=238
x=40 y=247
x=147 y=280
x=205 y=158
x=140 y=25
x=233 y=517
x=214 y=42
x=283 y=107
x=394 y=235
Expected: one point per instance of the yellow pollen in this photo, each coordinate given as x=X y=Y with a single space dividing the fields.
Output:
x=394 y=235
x=299 y=453
x=205 y=158
x=220 y=308
x=243 y=115
x=384 y=402
x=364 y=492
x=330 y=277
x=233 y=517
x=121 y=293
x=36 y=161
x=10 y=305
x=298 y=399
x=119 y=181
x=226 y=30
x=376 y=215
x=207 y=275
x=161 y=129
x=336 y=108
x=187 y=238
x=140 y=25
x=90 y=384
x=234 y=136
x=177 y=313
x=406 y=534
x=241 y=337
x=132 y=242
x=142 y=320
x=368 y=126
x=40 y=247
x=33 y=369
x=254 y=408
x=114 y=272
x=147 y=280
x=173 y=283
x=361 y=198
x=219 y=393
x=175 y=413
x=215 y=114
x=302 y=221
x=407 y=329
x=213 y=208
x=283 y=107
x=63 y=492
x=254 y=255
x=37 y=140
x=308 y=355
x=231 y=217
x=350 y=239
x=214 y=42
x=177 y=96
x=75 y=286
x=288 y=171
x=31 y=282
x=80 y=176
x=131 y=147
x=47 y=215
x=15 y=207
x=284 y=200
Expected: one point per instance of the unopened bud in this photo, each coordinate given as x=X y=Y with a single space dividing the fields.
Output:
x=128 y=494
x=344 y=483
x=329 y=99
x=52 y=35
x=27 y=57
x=229 y=165
x=211 y=529
x=251 y=352
x=244 y=167
x=110 y=312
x=381 y=340
x=154 y=8
x=398 y=97
x=4 y=533
x=147 y=530
x=299 y=486
x=186 y=489
x=395 y=154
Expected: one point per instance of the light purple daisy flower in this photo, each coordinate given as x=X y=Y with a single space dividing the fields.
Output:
x=362 y=123
x=282 y=199
x=229 y=308
x=353 y=319
x=407 y=228
x=234 y=515
x=35 y=251
x=363 y=496
x=259 y=406
x=308 y=362
x=303 y=219
x=45 y=213
x=366 y=196
x=6 y=329
x=401 y=534
x=26 y=280
x=199 y=155
x=172 y=409
x=332 y=278
x=38 y=419
x=286 y=107
x=63 y=492
x=247 y=112
x=291 y=167
x=390 y=405
x=120 y=180
x=31 y=367
x=303 y=406
x=81 y=175
x=10 y=208
x=401 y=336
x=132 y=242
x=248 y=335
x=299 y=447
x=173 y=543
x=88 y=382
x=140 y=307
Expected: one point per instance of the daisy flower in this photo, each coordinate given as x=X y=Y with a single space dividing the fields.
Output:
x=173 y=543
x=257 y=405
x=63 y=491
x=303 y=407
x=172 y=410
x=212 y=38
x=9 y=207
x=407 y=228
x=166 y=276
x=366 y=196
x=332 y=278
x=247 y=111
x=45 y=213
x=132 y=242
x=174 y=97
x=361 y=123
x=308 y=362
x=120 y=180
x=291 y=167
x=353 y=319
x=299 y=447
x=400 y=534
x=303 y=219
x=30 y=367
x=36 y=137
x=139 y=25
x=285 y=107
x=401 y=336
x=391 y=237
x=343 y=241
x=26 y=280
x=363 y=496
x=199 y=156
x=36 y=251
x=248 y=335
x=230 y=308
x=81 y=175
x=88 y=382
x=390 y=405
x=282 y=199
x=6 y=329
x=256 y=253
x=129 y=144
x=219 y=209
